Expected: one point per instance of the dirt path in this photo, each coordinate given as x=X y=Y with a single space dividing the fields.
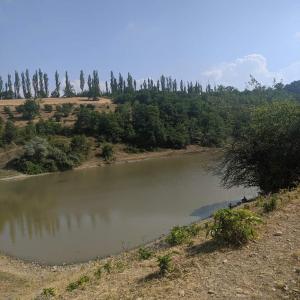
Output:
x=268 y=268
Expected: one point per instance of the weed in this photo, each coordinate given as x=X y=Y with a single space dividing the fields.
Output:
x=165 y=264
x=74 y=285
x=108 y=267
x=48 y=292
x=270 y=204
x=144 y=253
x=98 y=273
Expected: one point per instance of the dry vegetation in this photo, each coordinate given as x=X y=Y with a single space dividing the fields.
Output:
x=268 y=268
x=102 y=104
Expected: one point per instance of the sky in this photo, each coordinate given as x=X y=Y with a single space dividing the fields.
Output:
x=217 y=42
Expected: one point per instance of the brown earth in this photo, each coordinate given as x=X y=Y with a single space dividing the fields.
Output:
x=268 y=268
x=102 y=104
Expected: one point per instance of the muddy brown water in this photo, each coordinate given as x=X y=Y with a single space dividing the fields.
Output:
x=80 y=215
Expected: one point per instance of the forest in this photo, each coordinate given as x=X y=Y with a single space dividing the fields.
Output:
x=161 y=114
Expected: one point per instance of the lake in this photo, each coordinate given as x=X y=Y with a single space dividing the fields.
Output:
x=79 y=215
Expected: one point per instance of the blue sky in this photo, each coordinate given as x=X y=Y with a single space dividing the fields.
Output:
x=212 y=41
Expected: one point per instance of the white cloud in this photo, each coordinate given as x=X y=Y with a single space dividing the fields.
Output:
x=237 y=73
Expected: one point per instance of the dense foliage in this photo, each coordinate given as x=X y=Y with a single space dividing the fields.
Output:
x=267 y=153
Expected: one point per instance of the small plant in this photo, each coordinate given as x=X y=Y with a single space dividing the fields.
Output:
x=234 y=227
x=270 y=204
x=108 y=267
x=98 y=273
x=48 y=108
x=48 y=292
x=144 y=253
x=74 y=285
x=182 y=234
x=165 y=264
x=107 y=152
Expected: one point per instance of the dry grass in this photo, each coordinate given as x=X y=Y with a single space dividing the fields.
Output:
x=266 y=269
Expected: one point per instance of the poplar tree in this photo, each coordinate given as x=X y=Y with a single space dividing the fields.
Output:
x=82 y=81
x=95 y=85
x=1 y=87
x=41 y=91
x=17 y=85
x=28 y=84
x=10 y=92
x=89 y=82
x=46 y=85
x=35 y=84
x=23 y=85
x=56 y=92
x=69 y=89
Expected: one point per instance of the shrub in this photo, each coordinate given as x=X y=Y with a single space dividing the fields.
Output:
x=165 y=264
x=74 y=285
x=182 y=234
x=270 y=204
x=10 y=132
x=98 y=273
x=48 y=292
x=108 y=267
x=144 y=253
x=234 y=227
x=48 y=108
x=107 y=152
x=30 y=109
x=8 y=111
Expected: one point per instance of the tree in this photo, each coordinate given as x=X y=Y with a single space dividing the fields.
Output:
x=23 y=85
x=46 y=84
x=30 y=109
x=41 y=90
x=82 y=81
x=10 y=93
x=1 y=87
x=267 y=154
x=17 y=85
x=56 y=92
x=69 y=89
x=10 y=132
x=28 y=84
x=35 y=84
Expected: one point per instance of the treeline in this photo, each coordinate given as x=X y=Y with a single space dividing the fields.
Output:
x=23 y=85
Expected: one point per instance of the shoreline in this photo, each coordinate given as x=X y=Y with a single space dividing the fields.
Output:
x=123 y=158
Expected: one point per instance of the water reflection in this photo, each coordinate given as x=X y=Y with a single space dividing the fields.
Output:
x=80 y=215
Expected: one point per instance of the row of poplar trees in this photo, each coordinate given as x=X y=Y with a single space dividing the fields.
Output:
x=37 y=86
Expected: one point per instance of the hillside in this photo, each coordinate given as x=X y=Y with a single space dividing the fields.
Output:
x=267 y=268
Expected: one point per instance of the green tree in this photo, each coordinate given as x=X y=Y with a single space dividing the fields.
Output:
x=46 y=85
x=267 y=154
x=69 y=89
x=82 y=81
x=10 y=132
x=28 y=84
x=30 y=109
x=17 y=85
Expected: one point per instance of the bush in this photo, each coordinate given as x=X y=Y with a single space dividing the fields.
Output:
x=10 y=132
x=107 y=152
x=165 y=264
x=48 y=108
x=74 y=285
x=30 y=109
x=270 y=204
x=98 y=273
x=144 y=253
x=182 y=234
x=8 y=111
x=235 y=227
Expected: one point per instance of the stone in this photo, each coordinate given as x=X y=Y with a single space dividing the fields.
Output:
x=181 y=293
x=278 y=233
